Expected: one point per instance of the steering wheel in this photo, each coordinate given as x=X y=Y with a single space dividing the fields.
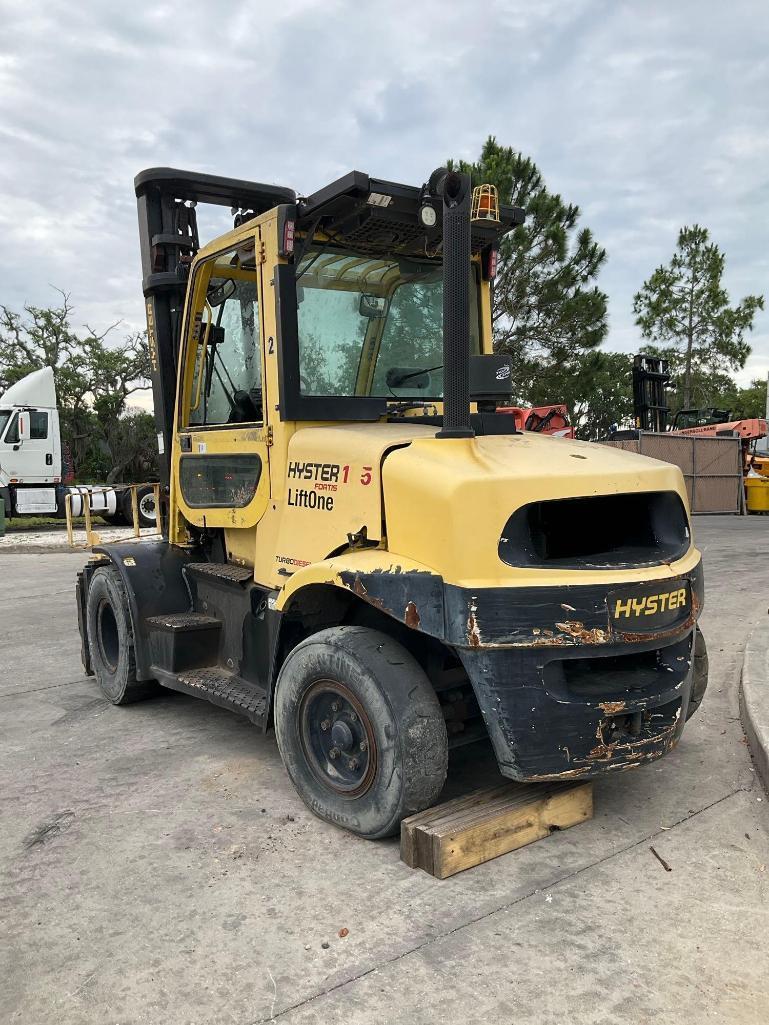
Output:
x=246 y=406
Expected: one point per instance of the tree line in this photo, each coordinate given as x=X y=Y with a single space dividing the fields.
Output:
x=103 y=438
x=549 y=315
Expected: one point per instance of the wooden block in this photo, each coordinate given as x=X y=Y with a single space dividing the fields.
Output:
x=469 y=830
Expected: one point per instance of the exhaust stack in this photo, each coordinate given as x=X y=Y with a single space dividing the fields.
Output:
x=456 y=191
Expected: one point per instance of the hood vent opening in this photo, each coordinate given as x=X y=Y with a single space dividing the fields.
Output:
x=601 y=532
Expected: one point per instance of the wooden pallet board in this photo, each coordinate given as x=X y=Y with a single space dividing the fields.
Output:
x=483 y=825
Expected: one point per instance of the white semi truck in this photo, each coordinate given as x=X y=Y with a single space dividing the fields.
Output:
x=31 y=463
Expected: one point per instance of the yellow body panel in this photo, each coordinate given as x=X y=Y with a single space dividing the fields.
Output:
x=447 y=501
x=446 y=504
x=332 y=488
x=238 y=440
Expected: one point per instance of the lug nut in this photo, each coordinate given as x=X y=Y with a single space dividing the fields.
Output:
x=352 y=765
x=335 y=706
x=333 y=753
x=353 y=717
x=326 y=724
x=363 y=745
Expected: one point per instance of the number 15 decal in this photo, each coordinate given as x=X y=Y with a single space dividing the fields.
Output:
x=365 y=477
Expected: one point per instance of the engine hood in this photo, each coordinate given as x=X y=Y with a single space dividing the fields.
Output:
x=442 y=504
x=447 y=501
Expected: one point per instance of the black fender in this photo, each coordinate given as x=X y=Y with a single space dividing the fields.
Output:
x=415 y=598
x=154 y=582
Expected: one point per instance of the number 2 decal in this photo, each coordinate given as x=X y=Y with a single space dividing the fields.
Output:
x=270 y=345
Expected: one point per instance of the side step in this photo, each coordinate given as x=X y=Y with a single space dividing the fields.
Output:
x=220 y=687
x=226 y=571
x=183 y=640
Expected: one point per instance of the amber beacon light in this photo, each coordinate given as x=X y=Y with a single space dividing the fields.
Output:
x=485 y=204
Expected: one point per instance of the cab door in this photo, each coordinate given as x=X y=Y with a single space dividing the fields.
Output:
x=221 y=470
x=27 y=450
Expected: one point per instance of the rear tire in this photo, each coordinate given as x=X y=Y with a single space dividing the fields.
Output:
x=145 y=502
x=110 y=639
x=145 y=498
x=699 y=673
x=115 y=519
x=360 y=730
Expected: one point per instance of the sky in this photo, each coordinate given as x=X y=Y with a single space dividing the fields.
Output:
x=648 y=115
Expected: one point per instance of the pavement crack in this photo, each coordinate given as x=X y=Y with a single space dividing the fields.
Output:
x=40 y=597
x=51 y=686
x=430 y=940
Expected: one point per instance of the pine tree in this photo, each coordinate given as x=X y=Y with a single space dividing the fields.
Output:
x=684 y=304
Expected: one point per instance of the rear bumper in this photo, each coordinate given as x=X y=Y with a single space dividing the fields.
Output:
x=551 y=718
x=585 y=699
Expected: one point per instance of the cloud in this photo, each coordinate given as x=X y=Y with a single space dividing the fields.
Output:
x=648 y=115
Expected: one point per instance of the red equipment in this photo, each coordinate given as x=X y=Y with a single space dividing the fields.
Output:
x=748 y=430
x=552 y=419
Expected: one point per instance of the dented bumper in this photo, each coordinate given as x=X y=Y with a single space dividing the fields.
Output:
x=555 y=717
x=586 y=694
x=572 y=681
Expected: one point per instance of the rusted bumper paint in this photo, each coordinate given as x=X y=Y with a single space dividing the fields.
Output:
x=566 y=690
x=550 y=718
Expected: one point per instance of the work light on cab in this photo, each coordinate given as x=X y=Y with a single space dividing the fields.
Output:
x=485 y=205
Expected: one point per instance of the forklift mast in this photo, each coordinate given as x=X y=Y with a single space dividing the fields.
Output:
x=651 y=376
x=168 y=237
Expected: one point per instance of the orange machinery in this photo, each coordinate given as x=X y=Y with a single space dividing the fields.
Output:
x=553 y=419
x=749 y=431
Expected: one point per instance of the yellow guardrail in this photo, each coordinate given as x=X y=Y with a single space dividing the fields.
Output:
x=91 y=536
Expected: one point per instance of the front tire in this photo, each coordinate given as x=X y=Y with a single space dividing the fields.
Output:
x=360 y=730
x=110 y=639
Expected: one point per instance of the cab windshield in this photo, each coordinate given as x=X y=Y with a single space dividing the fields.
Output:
x=373 y=326
x=5 y=416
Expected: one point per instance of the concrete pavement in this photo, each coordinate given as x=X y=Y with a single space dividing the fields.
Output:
x=157 y=867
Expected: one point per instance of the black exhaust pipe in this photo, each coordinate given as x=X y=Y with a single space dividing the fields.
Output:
x=456 y=191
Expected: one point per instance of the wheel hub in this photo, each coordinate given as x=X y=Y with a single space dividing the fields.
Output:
x=337 y=738
x=341 y=734
x=147 y=505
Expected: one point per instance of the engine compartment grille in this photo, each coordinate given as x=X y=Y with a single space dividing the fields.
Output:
x=597 y=532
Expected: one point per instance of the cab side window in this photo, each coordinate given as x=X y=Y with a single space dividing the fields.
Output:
x=227 y=382
x=38 y=425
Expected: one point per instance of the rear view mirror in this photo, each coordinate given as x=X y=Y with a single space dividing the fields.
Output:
x=408 y=377
x=373 y=307
x=23 y=426
x=220 y=293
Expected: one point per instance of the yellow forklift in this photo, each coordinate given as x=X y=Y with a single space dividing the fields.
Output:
x=359 y=549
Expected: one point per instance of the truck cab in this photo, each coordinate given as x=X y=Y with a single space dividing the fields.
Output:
x=362 y=549
x=30 y=444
